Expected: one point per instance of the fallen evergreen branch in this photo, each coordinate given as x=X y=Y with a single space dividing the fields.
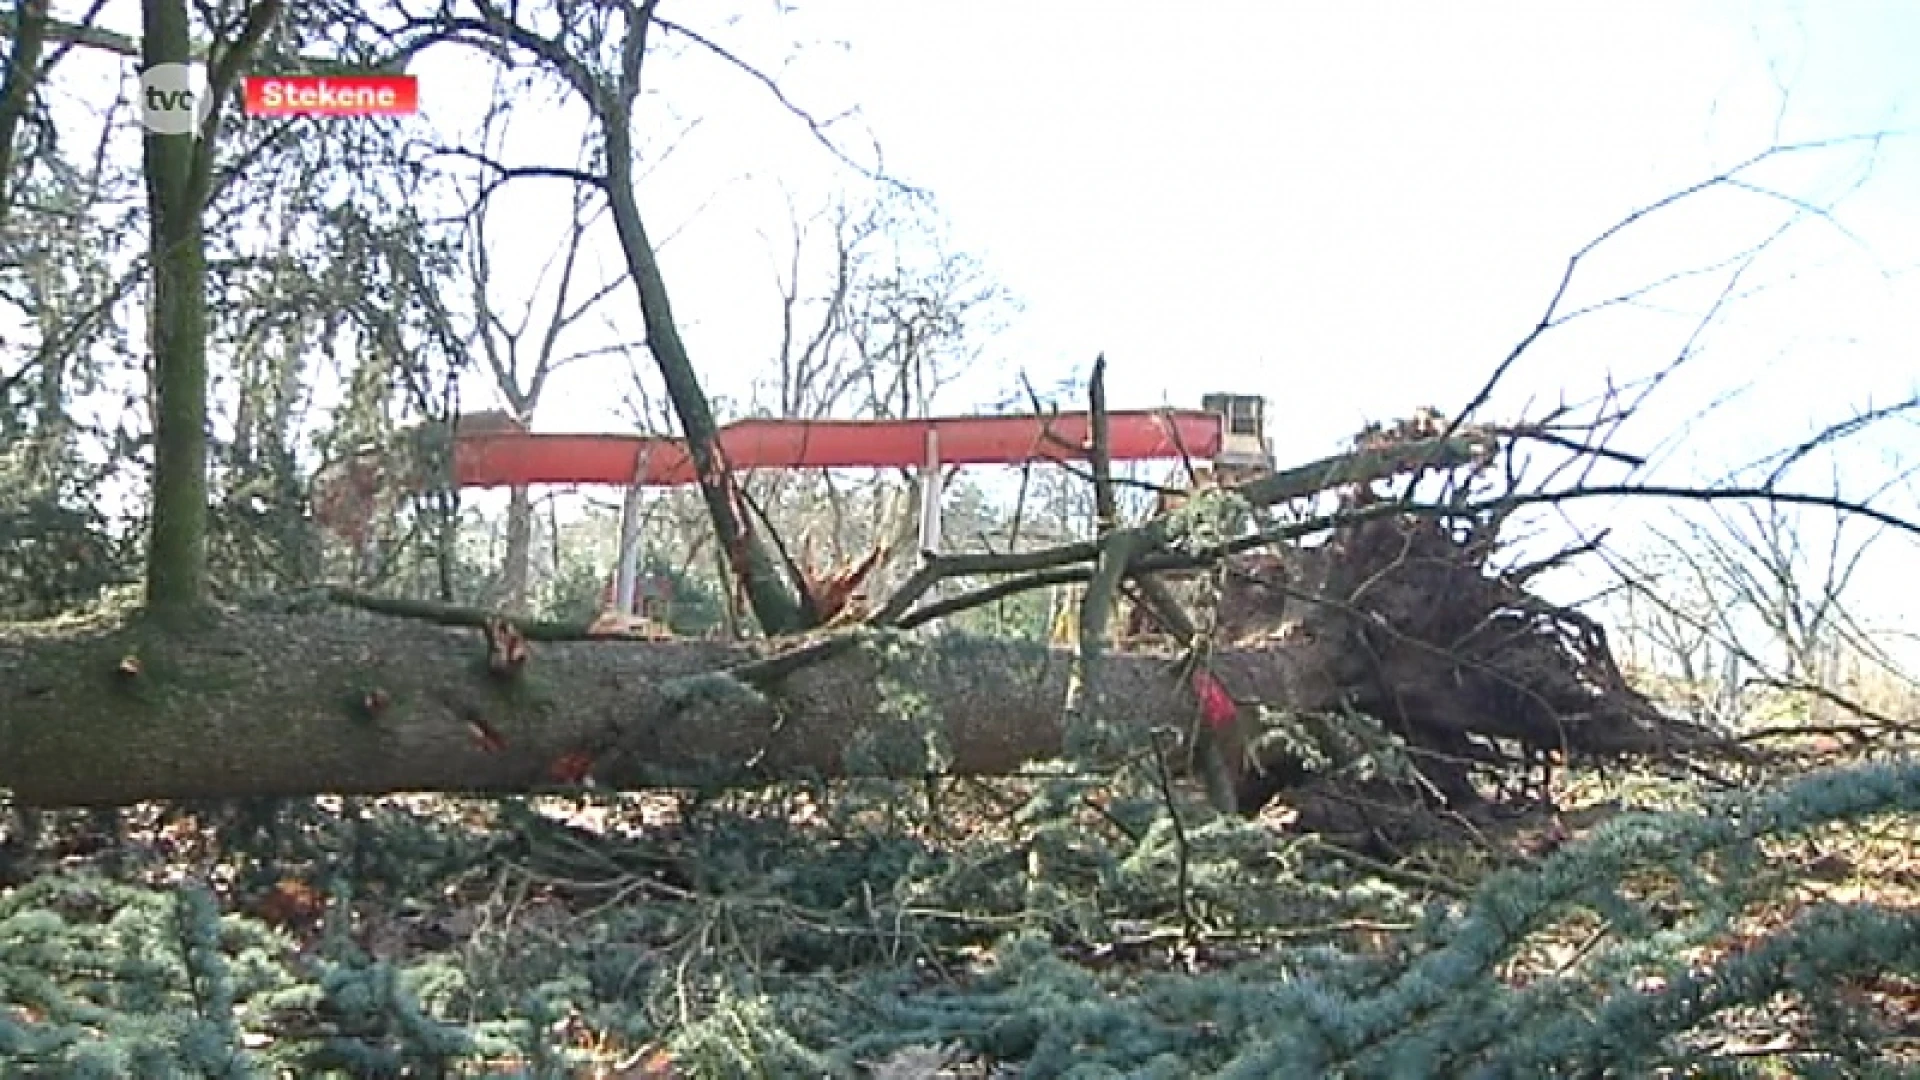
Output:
x=1811 y=957
x=100 y=979
x=1448 y=1005
x=815 y=964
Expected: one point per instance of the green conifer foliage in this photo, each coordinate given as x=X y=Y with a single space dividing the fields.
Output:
x=818 y=963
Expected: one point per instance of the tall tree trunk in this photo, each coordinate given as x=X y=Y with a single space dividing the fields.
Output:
x=179 y=176
x=52 y=426
x=16 y=93
x=177 y=549
x=519 y=550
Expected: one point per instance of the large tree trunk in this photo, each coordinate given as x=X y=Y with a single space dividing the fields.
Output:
x=352 y=703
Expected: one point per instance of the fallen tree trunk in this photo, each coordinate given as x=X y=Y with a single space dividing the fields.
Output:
x=1392 y=639
x=349 y=702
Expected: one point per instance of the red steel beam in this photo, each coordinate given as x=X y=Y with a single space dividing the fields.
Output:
x=518 y=459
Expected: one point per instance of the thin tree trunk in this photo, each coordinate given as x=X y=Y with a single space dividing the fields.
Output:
x=179 y=176
x=177 y=548
x=16 y=93
x=774 y=603
x=519 y=550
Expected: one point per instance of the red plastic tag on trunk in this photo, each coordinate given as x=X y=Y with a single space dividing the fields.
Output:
x=571 y=768
x=1216 y=705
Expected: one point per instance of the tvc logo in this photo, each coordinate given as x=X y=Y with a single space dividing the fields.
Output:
x=173 y=99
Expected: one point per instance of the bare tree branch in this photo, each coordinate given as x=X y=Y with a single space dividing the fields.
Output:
x=820 y=129
x=1554 y=317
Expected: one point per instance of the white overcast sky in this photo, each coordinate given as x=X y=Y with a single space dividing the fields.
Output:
x=1354 y=209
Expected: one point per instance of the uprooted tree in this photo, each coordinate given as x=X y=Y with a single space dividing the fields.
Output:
x=1398 y=618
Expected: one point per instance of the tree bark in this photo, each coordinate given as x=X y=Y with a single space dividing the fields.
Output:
x=353 y=703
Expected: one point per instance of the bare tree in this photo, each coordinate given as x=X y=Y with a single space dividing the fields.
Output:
x=520 y=355
x=599 y=53
x=1755 y=594
x=877 y=315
